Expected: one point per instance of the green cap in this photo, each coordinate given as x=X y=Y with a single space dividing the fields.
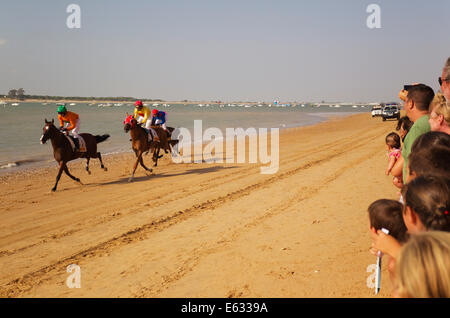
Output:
x=62 y=109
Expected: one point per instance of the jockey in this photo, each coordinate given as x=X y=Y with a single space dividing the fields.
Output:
x=159 y=118
x=73 y=121
x=142 y=114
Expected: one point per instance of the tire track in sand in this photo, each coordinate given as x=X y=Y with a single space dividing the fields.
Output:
x=208 y=184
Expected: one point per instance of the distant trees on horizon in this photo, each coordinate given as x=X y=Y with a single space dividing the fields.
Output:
x=20 y=94
x=17 y=93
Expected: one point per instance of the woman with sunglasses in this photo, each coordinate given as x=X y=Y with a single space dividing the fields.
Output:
x=444 y=80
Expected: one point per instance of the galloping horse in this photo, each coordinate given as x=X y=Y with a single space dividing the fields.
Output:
x=140 y=142
x=63 y=153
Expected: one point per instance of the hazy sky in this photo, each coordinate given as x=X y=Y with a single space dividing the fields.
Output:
x=223 y=49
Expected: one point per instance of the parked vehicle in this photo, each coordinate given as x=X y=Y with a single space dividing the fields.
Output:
x=377 y=110
x=390 y=111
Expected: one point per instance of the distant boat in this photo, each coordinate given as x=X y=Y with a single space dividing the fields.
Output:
x=15 y=104
x=118 y=104
x=72 y=104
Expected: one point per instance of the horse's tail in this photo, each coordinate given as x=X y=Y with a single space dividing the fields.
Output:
x=102 y=138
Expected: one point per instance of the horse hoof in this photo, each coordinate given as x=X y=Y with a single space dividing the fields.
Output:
x=130 y=180
x=88 y=172
x=105 y=169
x=53 y=189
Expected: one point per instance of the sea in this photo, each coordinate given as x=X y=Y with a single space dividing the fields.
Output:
x=22 y=126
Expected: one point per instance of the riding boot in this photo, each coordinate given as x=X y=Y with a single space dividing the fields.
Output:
x=77 y=144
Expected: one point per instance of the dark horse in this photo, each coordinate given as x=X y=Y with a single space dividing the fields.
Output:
x=63 y=153
x=140 y=142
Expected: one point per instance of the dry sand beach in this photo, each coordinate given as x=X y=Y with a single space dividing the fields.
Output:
x=203 y=230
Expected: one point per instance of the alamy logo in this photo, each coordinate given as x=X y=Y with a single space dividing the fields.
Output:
x=74 y=19
x=74 y=279
x=374 y=19
x=222 y=145
x=371 y=280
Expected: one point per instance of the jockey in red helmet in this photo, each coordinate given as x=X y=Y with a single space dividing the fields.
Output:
x=142 y=114
x=159 y=118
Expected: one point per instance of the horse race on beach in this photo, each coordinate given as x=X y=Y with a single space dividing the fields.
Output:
x=143 y=141
x=307 y=157
x=63 y=152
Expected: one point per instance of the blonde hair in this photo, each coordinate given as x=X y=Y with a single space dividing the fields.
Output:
x=441 y=107
x=423 y=266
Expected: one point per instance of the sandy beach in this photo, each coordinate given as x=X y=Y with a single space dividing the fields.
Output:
x=203 y=230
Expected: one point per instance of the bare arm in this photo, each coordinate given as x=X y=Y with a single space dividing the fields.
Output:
x=390 y=165
x=397 y=169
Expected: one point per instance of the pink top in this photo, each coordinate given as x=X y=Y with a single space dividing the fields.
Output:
x=396 y=153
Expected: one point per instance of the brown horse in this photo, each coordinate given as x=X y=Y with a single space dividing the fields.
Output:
x=63 y=153
x=141 y=144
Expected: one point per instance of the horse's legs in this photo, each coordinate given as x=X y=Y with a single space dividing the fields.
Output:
x=61 y=168
x=87 y=165
x=99 y=156
x=143 y=166
x=173 y=143
x=139 y=156
x=157 y=156
x=66 y=170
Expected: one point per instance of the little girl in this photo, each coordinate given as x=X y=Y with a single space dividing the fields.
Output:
x=393 y=144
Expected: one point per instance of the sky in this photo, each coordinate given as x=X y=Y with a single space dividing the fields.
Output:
x=228 y=50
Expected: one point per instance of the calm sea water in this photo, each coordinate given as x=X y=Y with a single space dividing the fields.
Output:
x=21 y=126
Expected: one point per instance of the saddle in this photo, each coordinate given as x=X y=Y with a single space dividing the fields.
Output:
x=79 y=142
x=152 y=135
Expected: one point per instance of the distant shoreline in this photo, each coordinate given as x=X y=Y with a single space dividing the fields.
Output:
x=97 y=101
x=113 y=101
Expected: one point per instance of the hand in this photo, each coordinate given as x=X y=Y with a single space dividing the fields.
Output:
x=403 y=94
x=384 y=243
x=398 y=182
x=387 y=172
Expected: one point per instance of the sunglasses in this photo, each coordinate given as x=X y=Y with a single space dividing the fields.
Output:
x=441 y=81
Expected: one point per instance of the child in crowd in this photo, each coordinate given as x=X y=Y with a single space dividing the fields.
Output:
x=430 y=140
x=427 y=208
x=422 y=269
x=404 y=124
x=393 y=144
x=388 y=214
x=429 y=161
